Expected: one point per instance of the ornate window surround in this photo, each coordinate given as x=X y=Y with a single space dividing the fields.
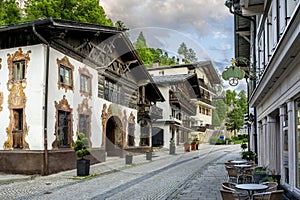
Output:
x=63 y=105
x=17 y=100
x=16 y=57
x=85 y=72
x=65 y=63
x=84 y=109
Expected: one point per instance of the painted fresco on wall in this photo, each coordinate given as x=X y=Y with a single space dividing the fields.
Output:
x=63 y=125
x=17 y=128
x=115 y=115
x=1 y=93
x=65 y=74
x=84 y=119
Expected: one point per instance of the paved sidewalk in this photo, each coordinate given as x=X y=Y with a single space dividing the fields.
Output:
x=110 y=165
x=205 y=185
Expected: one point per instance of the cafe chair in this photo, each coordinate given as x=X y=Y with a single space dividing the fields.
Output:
x=231 y=187
x=233 y=175
x=272 y=186
x=274 y=195
x=229 y=195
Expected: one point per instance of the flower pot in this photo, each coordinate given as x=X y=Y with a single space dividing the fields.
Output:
x=193 y=146
x=257 y=178
x=128 y=159
x=148 y=155
x=83 y=167
x=187 y=147
x=172 y=149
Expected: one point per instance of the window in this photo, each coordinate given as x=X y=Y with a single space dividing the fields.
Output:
x=63 y=128
x=65 y=75
x=112 y=92
x=19 y=70
x=18 y=120
x=17 y=128
x=83 y=124
x=85 y=84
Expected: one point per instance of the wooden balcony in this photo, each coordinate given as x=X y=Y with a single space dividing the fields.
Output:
x=150 y=111
x=179 y=99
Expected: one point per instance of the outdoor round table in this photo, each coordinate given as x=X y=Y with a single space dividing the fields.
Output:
x=243 y=166
x=251 y=188
x=239 y=162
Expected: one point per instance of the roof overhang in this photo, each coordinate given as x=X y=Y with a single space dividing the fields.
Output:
x=252 y=7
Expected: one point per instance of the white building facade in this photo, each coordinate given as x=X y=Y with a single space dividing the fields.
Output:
x=191 y=124
x=54 y=85
x=273 y=32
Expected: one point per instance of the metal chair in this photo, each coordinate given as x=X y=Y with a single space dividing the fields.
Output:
x=231 y=187
x=274 y=195
x=233 y=175
x=272 y=186
x=227 y=195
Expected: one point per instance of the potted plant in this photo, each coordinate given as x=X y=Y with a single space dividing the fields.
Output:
x=82 y=149
x=259 y=173
x=149 y=155
x=275 y=176
x=248 y=155
x=128 y=158
x=244 y=146
x=172 y=147
x=186 y=146
x=196 y=143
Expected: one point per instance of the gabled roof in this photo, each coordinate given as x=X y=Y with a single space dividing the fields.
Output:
x=170 y=79
x=190 y=79
x=78 y=40
x=207 y=67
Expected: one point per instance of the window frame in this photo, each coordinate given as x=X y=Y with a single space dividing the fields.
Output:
x=66 y=65
x=21 y=74
x=84 y=72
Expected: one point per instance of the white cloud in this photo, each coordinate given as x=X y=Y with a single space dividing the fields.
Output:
x=174 y=14
x=218 y=35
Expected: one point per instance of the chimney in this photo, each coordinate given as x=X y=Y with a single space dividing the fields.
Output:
x=155 y=63
x=181 y=59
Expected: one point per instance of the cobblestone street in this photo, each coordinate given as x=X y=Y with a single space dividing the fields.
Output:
x=193 y=175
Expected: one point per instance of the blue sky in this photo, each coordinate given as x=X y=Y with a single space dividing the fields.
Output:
x=206 y=26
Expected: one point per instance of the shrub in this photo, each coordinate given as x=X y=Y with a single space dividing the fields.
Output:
x=213 y=140
x=248 y=155
x=82 y=146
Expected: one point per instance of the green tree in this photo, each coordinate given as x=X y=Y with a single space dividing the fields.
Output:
x=242 y=101
x=148 y=55
x=235 y=117
x=79 y=10
x=231 y=98
x=219 y=114
x=188 y=53
x=9 y=12
x=235 y=120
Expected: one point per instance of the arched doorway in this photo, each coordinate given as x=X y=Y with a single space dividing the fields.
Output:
x=114 y=140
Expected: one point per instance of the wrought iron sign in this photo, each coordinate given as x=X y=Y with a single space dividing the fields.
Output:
x=233 y=73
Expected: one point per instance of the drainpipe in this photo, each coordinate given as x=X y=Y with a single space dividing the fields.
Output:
x=46 y=159
x=230 y=4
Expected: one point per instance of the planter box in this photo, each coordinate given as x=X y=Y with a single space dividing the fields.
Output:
x=187 y=147
x=172 y=149
x=83 y=167
x=193 y=147
x=128 y=159
x=148 y=155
